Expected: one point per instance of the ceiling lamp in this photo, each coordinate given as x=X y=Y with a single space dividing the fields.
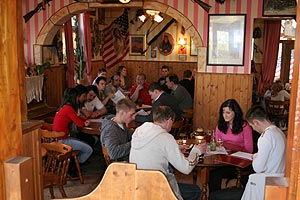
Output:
x=124 y=1
x=152 y=14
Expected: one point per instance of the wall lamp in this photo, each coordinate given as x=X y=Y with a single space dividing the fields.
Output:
x=182 y=43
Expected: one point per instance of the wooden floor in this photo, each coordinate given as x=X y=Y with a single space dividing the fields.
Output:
x=93 y=172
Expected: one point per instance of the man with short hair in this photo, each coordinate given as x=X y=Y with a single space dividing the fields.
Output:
x=115 y=136
x=93 y=108
x=188 y=82
x=139 y=91
x=152 y=147
x=270 y=158
x=160 y=98
x=179 y=92
x=162 y=80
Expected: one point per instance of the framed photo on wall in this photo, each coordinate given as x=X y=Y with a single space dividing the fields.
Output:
x=279 y=8
x=193 y=51
x=137 y=45
x=226 y=38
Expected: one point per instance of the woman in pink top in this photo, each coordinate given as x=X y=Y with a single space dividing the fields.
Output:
x=236 y=135
x=234 y=131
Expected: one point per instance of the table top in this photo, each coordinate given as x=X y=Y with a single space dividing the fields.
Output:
x=220 y=159
x=93 y=128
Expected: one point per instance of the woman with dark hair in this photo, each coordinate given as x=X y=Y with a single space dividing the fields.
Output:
x=236 y=135
x=124 y=79
x=232 y=129
x=64 y=118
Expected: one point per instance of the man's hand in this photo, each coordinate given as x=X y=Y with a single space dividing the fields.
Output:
x=184 y=148
x=139 y=87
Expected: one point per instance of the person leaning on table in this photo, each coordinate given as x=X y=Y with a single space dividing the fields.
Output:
x=270 y=158
x=153 y=147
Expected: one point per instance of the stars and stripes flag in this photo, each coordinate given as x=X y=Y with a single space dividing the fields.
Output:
x=116 y=41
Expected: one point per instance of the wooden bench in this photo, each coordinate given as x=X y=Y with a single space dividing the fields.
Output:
x=124 y=181
x=40 y=110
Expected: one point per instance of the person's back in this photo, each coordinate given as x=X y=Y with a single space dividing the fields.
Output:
x=270 y=159
x=152 y=147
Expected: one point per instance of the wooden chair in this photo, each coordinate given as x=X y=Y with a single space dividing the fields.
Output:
x=55 y=166
x=177 y=128
x=278 y=112
x=106 y=156
x=124 y=181
x=49 y=136
x=188 y=121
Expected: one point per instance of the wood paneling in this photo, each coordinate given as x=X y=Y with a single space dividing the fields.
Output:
x=55 y=84
x=150 y=68
x=32 y=148
x=211 y=90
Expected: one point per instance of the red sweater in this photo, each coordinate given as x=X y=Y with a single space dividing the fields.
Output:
x=63 y=118
x=144 y=97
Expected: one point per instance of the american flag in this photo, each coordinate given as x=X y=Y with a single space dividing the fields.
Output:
x=116 y=41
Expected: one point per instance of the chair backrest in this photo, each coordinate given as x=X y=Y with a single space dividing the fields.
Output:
x=177 y=128
x=56 y=163
x=50 y=136
x=277 y=109
x=188 y=120
x=124 y=181
x=106 y=156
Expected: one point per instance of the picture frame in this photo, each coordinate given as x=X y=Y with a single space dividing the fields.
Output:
x=153 y=53
x=166 y=44
x=193 y=50
x=137 y=45
x=226 y=40
x=49 y=53
x=273 y=8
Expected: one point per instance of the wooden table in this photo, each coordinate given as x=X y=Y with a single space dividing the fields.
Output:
x=93 y=128
x=213 y=161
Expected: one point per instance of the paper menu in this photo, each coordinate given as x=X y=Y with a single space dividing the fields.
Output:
x=244 y=155
x=143 y=112
x=194 y=152
x=118 y=96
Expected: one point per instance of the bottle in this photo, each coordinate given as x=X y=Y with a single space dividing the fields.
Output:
x=212 y=143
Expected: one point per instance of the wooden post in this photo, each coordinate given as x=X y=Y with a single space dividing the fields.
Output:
x=10 y=117
x=19 y=178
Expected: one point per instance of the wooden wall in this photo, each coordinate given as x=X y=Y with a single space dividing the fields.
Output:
x=55 y=84
x=211 y=90
x=150 y=68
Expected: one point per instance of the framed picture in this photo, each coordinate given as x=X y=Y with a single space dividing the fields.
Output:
x=166 y=44
x=137 y=44
x=49 y=54
x=153 y=53
x=279 y=8
x=193 y=48
x=226 y=37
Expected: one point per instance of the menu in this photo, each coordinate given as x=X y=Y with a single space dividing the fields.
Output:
x=232 y=160
x=241 y=154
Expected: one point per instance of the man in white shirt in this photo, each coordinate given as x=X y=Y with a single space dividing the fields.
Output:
x=270 y=158
x=93 y=108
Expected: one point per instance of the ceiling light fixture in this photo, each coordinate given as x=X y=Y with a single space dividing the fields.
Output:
x=124 y=1
x=152 y=14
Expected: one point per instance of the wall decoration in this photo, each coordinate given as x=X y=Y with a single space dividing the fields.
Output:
x=182 y=45
x=182 y=57
x=279 y=8
x=226 y=37
x=49 y=54
x=153 y=53
x=96 y=35
x=166 y=44
x=137 y=44
x=193 y=47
